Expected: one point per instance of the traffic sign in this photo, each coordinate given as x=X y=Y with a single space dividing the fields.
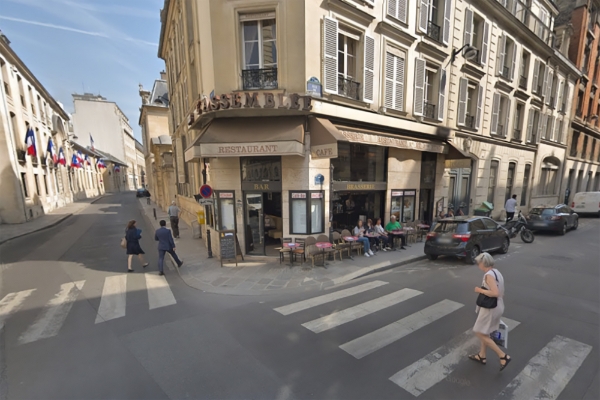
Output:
x=206 y=191
x=206 y=202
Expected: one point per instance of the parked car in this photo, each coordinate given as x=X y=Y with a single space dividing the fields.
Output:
x=586 y=203
x=141 y=193
x=559 y=218
x=465 y=237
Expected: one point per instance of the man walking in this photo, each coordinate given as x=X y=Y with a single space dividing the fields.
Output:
x=510 y=207
x=174 y=217
x=165 y=245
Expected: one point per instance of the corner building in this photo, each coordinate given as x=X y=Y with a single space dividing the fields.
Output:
x=308 y=116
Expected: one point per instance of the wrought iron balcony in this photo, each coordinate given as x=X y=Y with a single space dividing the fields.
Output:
x=429 y=110
x=433 y=31
x=265 y=78
x=516 y=135
x=21 y=155
x=470 y=121
x=523 y=82
x=348 y=88
x=505 y=72
x=500 y=130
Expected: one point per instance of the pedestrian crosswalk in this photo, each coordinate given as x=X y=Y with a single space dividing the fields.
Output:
x=545 y=376
x=113 y=303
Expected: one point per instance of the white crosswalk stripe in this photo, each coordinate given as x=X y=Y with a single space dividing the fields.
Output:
x=380 y=338
x=359 y=311
x=159 y=292
x=548 y=373
x=54 y=314
x=113 y=300
x=437 y=365
x=12 y=302
x=327 y=298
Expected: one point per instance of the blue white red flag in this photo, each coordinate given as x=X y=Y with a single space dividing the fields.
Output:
x=87 y=160
x=101 y=163
x=61 y=157
x=30 y=142
x=75 y=162
x=52 y=150
x=117 y=168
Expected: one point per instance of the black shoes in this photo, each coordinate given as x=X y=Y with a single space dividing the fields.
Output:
x=130 y=270
x=145 y=265
x=161 y=273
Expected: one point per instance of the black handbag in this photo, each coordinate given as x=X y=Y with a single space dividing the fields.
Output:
x=484 y=301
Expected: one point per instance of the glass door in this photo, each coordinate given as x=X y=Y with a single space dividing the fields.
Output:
x=255 y=226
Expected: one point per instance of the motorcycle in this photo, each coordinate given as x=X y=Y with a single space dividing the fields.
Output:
x=519 y=226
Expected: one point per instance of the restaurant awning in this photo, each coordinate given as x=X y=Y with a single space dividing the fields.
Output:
x=236 y=137
x=457 y=158
x=324 y=137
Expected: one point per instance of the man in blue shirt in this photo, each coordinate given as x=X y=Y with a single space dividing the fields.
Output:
x=166 y=244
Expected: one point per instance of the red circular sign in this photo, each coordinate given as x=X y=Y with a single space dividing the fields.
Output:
x=206 y=191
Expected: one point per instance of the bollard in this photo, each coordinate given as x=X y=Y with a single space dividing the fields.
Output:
x=154 y=210
x=208 y=243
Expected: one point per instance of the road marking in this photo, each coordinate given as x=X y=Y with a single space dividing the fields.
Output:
x=12 y=302
x=380 y=338
x=549 y=371
x=317 y=301
x=54 y=314
x=437 y=365
x=159 y=292
x=113 y=300
x=361 y=310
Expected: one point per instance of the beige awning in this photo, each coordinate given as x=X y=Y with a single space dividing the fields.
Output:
x=235 y=137
x=457 y=158
x=324 y=137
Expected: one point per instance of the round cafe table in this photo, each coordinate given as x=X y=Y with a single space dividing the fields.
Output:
x=291 y=246
x=397 y=232
x=350 y=239
x=323 y=246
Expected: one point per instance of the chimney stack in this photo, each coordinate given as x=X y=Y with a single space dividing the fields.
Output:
x=163 y=75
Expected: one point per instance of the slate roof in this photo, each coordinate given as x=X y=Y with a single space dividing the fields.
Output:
x=160 y=94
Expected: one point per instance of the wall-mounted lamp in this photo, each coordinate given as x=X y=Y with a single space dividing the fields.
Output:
x=470 y=52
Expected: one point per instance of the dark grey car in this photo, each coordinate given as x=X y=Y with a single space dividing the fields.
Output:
x=559 y=218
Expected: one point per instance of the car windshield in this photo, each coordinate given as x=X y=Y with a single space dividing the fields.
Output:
x=542 y=211
x=451 y=226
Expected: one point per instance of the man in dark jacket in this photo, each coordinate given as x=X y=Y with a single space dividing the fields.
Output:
x=166 y=244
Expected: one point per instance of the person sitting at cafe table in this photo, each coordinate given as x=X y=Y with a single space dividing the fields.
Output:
x=382 y=239
x=394 y=225
x=359 y=231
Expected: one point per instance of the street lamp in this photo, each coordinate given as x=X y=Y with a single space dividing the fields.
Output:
x=470 y=52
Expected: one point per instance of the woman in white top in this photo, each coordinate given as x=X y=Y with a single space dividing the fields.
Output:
x=359 y=231
x=488 y=319
x=383 y=237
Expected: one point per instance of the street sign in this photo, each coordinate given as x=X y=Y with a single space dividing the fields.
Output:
x=206 y=191
x=206 y=202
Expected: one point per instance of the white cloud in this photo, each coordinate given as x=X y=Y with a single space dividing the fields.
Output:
x=53 y=26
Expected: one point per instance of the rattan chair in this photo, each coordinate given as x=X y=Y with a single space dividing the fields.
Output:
x=300 y=249
x=313 y=252
x=340 y=245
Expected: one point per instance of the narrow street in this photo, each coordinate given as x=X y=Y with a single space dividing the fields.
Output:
x=75 y=325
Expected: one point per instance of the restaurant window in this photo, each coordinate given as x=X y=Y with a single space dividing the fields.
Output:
x=226 y=211
x=403 y=205
x=493 y=181
x=307 y=212
x=359 y=162
x=525 y=184
x=260 y=169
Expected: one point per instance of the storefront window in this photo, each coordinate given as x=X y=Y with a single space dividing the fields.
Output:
x=306 y=213
x=359 y=162
x=403 y=205
x=260 y=169
x=226 y=209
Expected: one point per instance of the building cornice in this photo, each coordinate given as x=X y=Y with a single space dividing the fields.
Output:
x=164 y=15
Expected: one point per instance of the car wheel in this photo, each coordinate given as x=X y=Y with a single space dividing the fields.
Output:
x=504 y=248
x=564 y=229
x=576 y=223
x=432 y=257
x=471 y=255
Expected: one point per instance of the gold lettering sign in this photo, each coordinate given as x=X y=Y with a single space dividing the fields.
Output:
x=361 y=137
x=261 y=186
x=360 y=187
x=248 y=149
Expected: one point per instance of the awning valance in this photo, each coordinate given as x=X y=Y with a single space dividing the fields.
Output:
x=324 y=137
x=457 y=158
x=236 y=137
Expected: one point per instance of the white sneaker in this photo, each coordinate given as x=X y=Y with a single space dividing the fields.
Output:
x=371 y=253
x=367 y=255
x=384 y=249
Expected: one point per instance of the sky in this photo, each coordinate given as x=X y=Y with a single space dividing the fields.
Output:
x=105 y=47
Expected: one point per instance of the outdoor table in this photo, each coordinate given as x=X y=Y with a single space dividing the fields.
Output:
x=397 y=232
x=350 y=239
x=323 y=246
x=291 y=246
x=423 y=226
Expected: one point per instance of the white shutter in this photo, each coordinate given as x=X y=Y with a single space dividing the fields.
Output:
x=507 y=119
x=369 y=66
x=495 y=114
x=463 y=87
x=468 y=34
x=447 y=13
x=548 y=90
x=484 y=43
x=392 y=8
x=394 y=82
x=419 y=96
x=397 y=9
x=530 y=125
x=549 y=128
x=542 y=127
x=372 y=2
x=560 y=94
x=514 y=62
x=544 y=81
x=330 y=49
x=399 y=89
x=501 y=54
x=556 y=133
x=423 y=15
x=536 y=72
x=479 y=106
x=389 y=80
x=442 y=96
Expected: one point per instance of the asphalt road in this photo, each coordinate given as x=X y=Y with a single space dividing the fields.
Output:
x=75 y=325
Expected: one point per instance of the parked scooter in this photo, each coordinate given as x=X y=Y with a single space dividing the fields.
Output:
x=519 y=226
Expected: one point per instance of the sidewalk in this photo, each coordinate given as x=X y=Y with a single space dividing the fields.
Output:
x=54 y=217
x=262 y=275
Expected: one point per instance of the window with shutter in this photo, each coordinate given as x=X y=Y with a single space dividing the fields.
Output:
x=544 y=83
x=501 y=56
x=330 y=52
x=442 y=95
x=468 y=33
x=463 y=87
x=419 y=98
x=397 y=9
x=530 y=119
x=423 y=15
x=541 y=127
x=495 y=113
x=394 y=82
x=548 y=86
x=536 y=75
x=484 y=43
x=369 y=69
x=506 y=117
x=447 y=21
x=479 y=106
x=549 y=128
x=514 y=61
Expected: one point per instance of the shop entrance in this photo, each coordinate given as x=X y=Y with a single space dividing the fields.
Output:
x=350 y=206
x=263 y=222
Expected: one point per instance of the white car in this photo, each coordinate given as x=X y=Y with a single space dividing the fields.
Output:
x=586 y=203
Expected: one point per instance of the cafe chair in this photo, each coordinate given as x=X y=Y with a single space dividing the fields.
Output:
x=331 y=250
x=310 y=240
x=314 y=252
x=353 y=245
x=340 y=245
x=300 y=249
x=284 y=250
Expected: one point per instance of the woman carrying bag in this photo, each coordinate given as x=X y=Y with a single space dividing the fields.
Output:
x=133 y=236
x=490 y=307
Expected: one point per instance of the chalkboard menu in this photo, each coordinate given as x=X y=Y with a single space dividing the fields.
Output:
x=229 y=246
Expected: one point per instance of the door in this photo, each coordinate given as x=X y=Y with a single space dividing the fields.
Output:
x=459 y=190
x=480 y=234
x=255 y=223
x=426 y=206
x=496 y=234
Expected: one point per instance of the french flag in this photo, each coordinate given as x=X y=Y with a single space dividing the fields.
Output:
x=61 y=157
x=79 y=158
x=52 y=151
x=30 y=142
x=117 y=168
x=101 y=163
x=75 y=162
x=87 y=160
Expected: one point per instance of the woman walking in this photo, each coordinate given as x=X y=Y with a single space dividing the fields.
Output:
x=488 y=319
x=133 y=236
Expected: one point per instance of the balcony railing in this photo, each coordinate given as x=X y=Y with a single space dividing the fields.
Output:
x=21 y=155
x=522 y=12
x=500 y=130
x=348 y=88
x=516 y=135
x=265 y=78
x=470 y=121
x=429 y=111
x=505 y=72
x=433 y=31
x=523 y=82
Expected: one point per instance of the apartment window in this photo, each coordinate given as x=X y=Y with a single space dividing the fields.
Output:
x=21 y=90
x=539 y=77
x=559 y=131
x=533 y=121
x=4 y=68
x=45 y=179
x=579 y=179
x=31 y=100
x=397 y=9
x=394 y=79
x=588 y=187
x=507 y=57
x=584 y=147
x=500 y=115
x=347 y=84
x=476 y=34
x=307 y=212
x=429 y=90
x=593 y=149
x=518 y=122
x=260 y=53
x=36 y=179
x=579 y=109
x=564 y=96
x=597 y=181
x=524 y=70
x=549 y=127
x=574 y=143
x=549 y=174
x=470 y=98
x=24 y=184
x=510 y=180
x=493 y=181
x=525 y=188
x=434 y=19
